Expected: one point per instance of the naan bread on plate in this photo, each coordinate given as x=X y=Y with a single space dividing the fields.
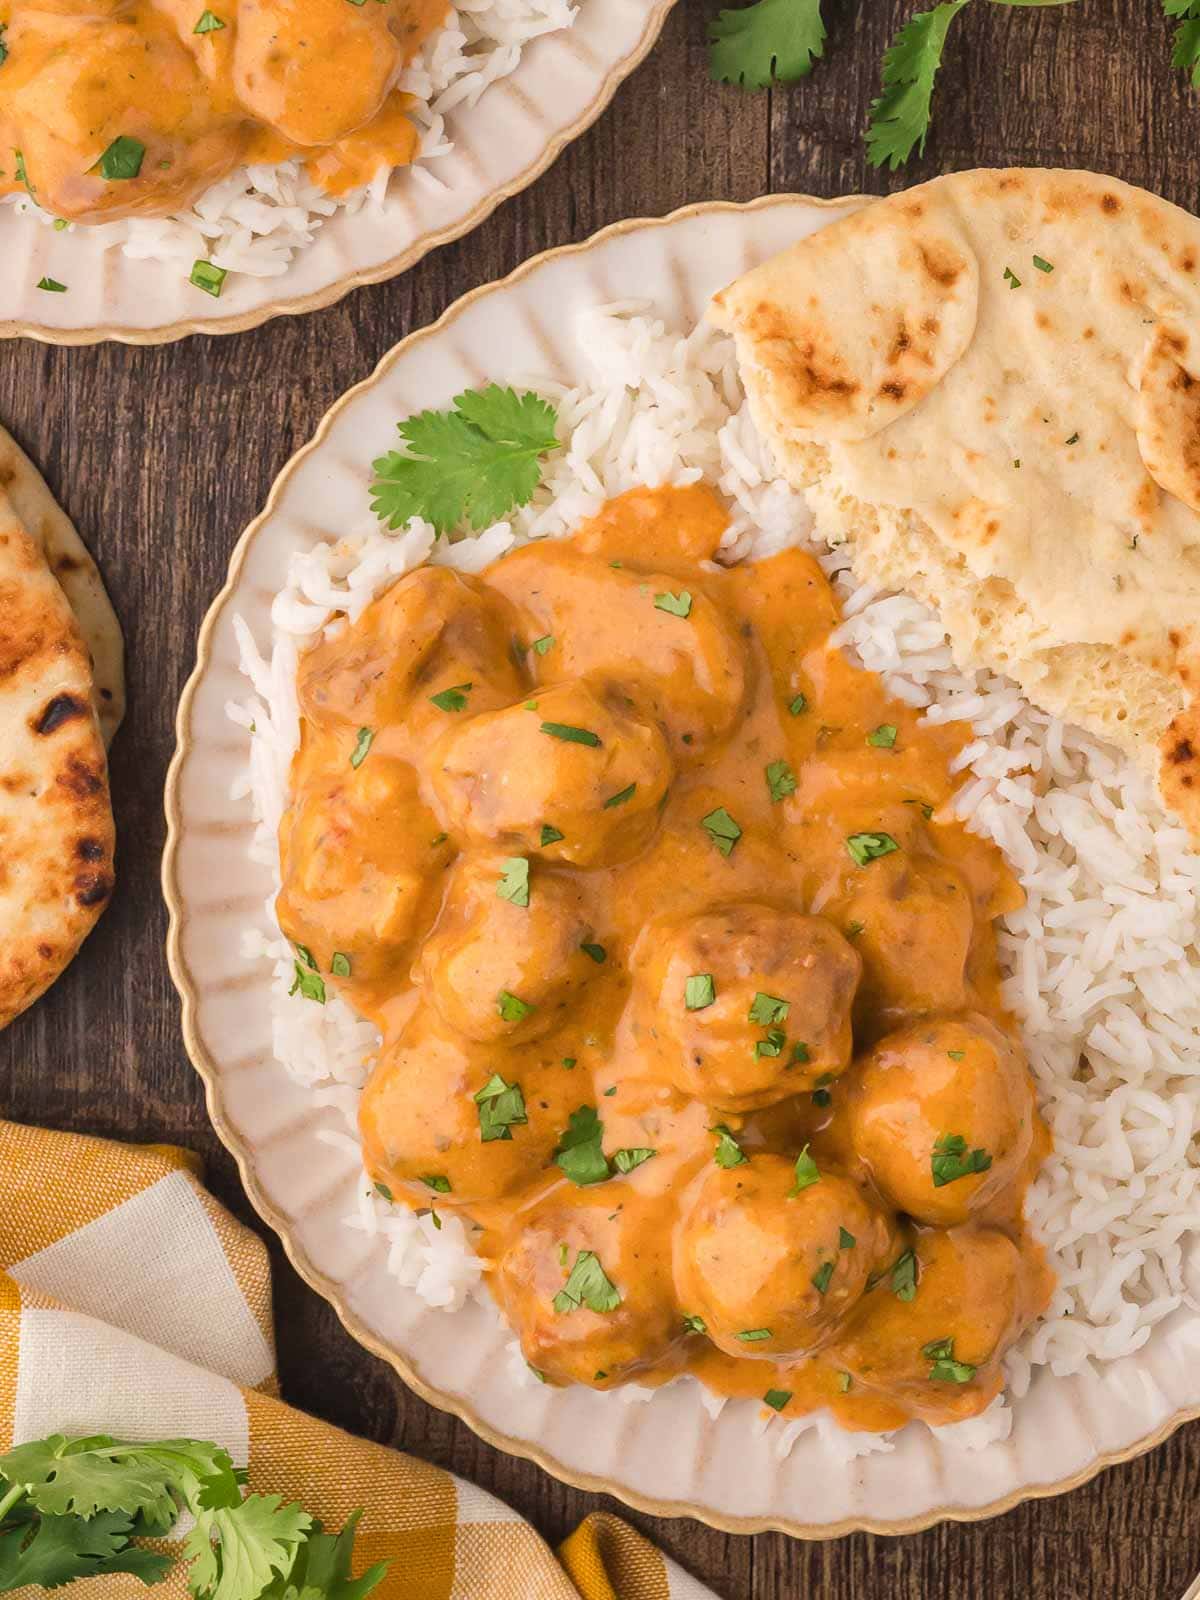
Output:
x=67 y=556
x=990 y=385
x=56 y=823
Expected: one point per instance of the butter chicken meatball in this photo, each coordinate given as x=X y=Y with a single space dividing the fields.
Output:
x=914 y=922
x=671 y=647
x=431 y=651
x=355 y=857
x=773 y=1253
x=745 y=1006
x=939 y=1343
x=505 y=957
x=568 y=773
x=586 y=1281
x=942 y=1114
x=463 y=1123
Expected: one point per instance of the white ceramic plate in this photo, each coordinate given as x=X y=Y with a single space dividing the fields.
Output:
x=503 y=143
x=665 y=1456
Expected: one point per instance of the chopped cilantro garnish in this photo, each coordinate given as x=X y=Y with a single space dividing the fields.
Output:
x=452 y=699
x=753 y=1335
x=362 y=744
x=632 y=1156
x=728 y=1152
x=436 y=1181
x=596 y=951
x=945 y=1368
x=679 y=605
x=209 y=23
x=807 y=1172
x=550 y=835
x=569 y=1062
x=587 y=1285
x=310 y=984
x=52 y=285
x=781 y=780
x=307 y=957
x=766 y=1008
x=579 y=1152
x=952 y=1160
x=511 y=1008
x=883 y=737
x=544 y=644
x=771 y=1045
x=721 y=829
x=904 y=1277
x=620 y=797
x=800 y=1057
x=777 y=1398
x=694 y=1324
x=846 y=1241
x=798 y=705
x=383 y=1190
x=820 y=1278
x=956 y=1055
x=1011 y=278
x=513 y=885
x=844 y=1382
x=699 y=991
x=122 y=160
x=340 y=964
x=564 y=730
x=1042 y=264
x=501 y=1106
x=865 y=847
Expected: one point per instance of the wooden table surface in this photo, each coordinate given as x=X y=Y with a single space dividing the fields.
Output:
x=162 y=456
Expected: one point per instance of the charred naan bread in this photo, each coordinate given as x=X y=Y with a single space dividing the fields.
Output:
x=991 y=384
x=53 y=532
x=56 y=824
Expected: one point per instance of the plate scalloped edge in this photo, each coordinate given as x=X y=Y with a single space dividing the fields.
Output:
x=321 y=298
x=244 y=1155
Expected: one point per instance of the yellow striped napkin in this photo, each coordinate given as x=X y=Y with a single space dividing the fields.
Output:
x=131 y=1303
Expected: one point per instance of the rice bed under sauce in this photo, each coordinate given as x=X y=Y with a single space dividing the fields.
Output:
x=256 y=219
x=1102 y=964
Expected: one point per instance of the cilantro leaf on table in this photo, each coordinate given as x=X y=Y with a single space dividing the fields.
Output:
x=771 y=41
x=236 y=1551
x=900 y=117
x=470 y=464
x=49 y=1551
x=321 y=1570
x=1186 y=53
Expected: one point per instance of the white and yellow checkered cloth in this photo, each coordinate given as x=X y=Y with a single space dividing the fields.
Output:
x=131 y=1303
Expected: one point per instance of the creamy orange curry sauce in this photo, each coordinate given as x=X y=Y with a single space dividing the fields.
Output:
x=686 y=979
x=114 y=108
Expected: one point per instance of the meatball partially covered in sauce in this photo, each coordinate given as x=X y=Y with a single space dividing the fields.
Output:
x=585 y=1278
x=744 y=1006
x=772 y=1253
x=938 y=1343
x=505 y=957
x=913 y=922
x=568 y=773
x=942 y=1114
x=463 y=1122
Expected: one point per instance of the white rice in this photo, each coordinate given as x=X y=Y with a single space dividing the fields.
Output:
x=1101 y=965
x=255 y=220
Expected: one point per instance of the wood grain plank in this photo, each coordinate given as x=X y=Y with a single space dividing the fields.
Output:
x=163 y=456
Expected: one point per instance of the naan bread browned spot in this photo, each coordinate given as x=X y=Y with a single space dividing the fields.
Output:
x=54 y=534
x=56 y=825
x=1026 y=457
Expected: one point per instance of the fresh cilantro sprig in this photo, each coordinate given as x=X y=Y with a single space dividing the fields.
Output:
x=72 y=1508
x=1186 y=53
x=471 y=464
x=900 y=117
x=771 y=41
